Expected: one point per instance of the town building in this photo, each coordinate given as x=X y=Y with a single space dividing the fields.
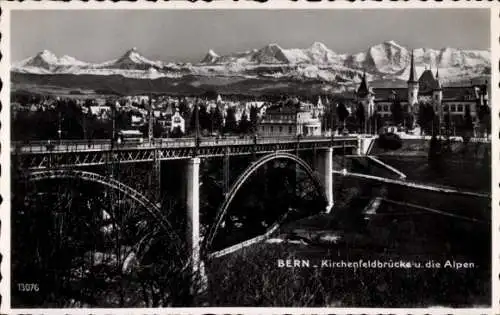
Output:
x=177 y=122
x=102 y=112
x=291 y=118
x=428 y=89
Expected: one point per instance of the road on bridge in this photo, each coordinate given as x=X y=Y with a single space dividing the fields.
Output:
x=42 y=146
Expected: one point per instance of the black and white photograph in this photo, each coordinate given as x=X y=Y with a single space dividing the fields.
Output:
x=263 y=157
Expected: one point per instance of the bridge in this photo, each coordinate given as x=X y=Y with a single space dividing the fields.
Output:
x=54 y=159
x=70 y=153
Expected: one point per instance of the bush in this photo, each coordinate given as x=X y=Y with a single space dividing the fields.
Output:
x=389 y=141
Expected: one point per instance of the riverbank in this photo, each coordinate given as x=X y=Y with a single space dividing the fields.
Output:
x=418 y=146
x=376 y=224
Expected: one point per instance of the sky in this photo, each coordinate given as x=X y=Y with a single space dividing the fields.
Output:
x=187 y=35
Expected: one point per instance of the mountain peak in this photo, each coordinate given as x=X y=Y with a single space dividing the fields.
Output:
x=132 y=51
x=392 y=43
x=210 y=57
x=45 y=57
x=47 y=54
x=271 y=53
x=133 y=60
x=383 y=60
x=212 y=53
x=319 y=45
x=273 y=46
x=133 y=55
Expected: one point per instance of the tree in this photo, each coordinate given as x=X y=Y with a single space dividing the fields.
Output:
x=158 y=129
x=184 y=110
x=244 y=123
x=434 y=155
x=468 y=125
x=254 y=118
x=176 y=132
x=217 y=120
x=447 y=122
x=421 y=117
x=329 y=119
x=408 y=119
x=204 y=117
x=351 y=123
x=342 y=113
x=231 y=124
x=426 y=118
x=123 y=120
x=192 y=119
x=484 y=117
x=374 y=123
x=210 y=94
x=360 y=116
x=397 y=112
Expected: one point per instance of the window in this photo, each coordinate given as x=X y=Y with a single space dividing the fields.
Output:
x=290 y=129
x=272 y=129
x=281 y=129
x=467 y=107
x=453 y=108
x=379 y=108
x=445 y=108
x=460 y=108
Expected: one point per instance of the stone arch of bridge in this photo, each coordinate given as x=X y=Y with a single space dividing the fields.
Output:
x=221 y=213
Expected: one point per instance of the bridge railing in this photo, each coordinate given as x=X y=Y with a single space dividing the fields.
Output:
x=66 y=145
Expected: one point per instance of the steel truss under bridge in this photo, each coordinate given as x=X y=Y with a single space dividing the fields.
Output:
x=150 y=207
x=243 y=178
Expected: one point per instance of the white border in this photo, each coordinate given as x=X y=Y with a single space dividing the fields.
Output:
x=495 y=155
x=242 y=4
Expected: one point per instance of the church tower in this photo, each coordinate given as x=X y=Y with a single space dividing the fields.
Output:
x=366 y=97
x=412 y=85
x=437 y=97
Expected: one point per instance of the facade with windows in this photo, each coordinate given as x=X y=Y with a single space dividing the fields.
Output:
x=291 y=118
x=455 y=100
x=177 y=122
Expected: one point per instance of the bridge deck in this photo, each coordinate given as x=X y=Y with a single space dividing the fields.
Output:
x=67 y=153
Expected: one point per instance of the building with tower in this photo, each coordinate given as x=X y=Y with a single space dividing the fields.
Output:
x=366 y=96
x=427 y=89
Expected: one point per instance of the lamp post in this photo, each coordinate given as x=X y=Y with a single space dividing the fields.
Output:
x=59 y=131
x=331 y=125
x=150 y=120
x=197 y=127
x=113 y=126
x=84 y=126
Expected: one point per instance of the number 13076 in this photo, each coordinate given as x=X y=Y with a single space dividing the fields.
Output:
x=28 y=287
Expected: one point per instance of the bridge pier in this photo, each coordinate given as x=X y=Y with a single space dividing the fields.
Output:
x=323 y=165
x=199 y=281
x=155 y=179
x=193 y=211
x=365 y=144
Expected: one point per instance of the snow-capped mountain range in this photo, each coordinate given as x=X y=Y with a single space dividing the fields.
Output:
x=387 y=60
